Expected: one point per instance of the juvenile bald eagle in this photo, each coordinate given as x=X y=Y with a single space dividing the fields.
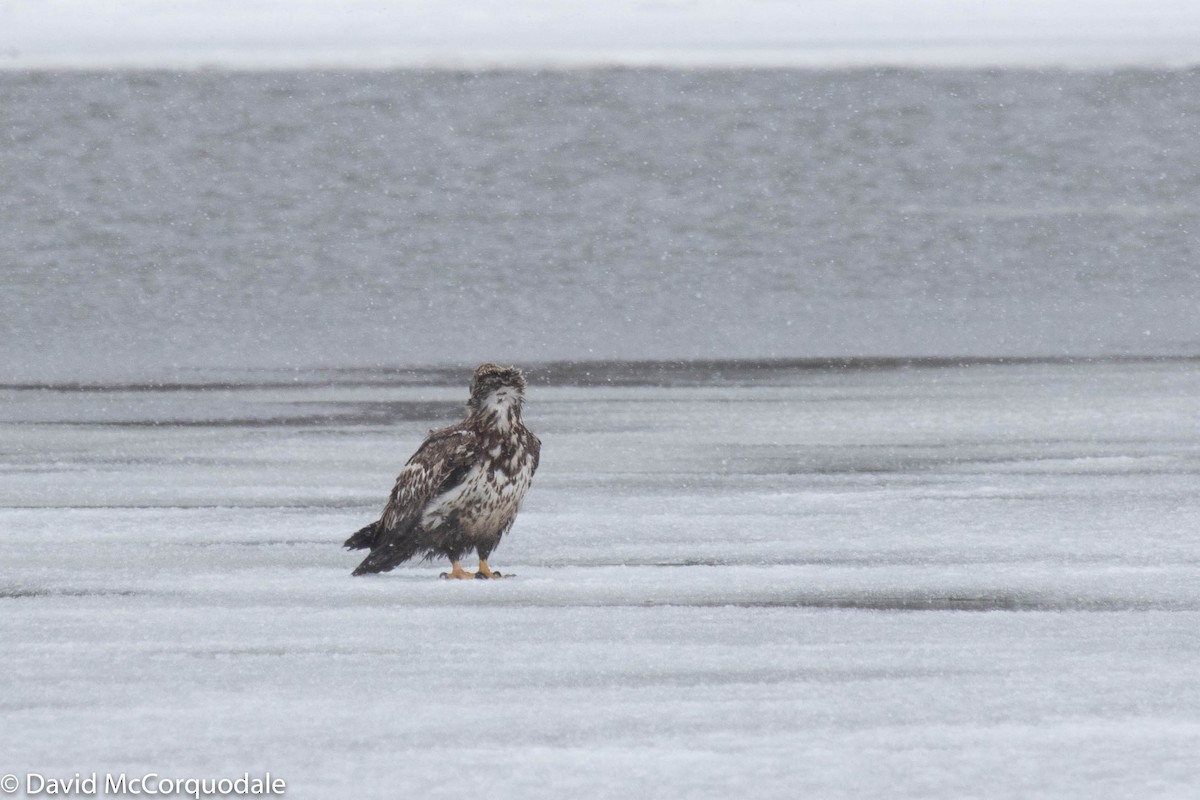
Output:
x=463 y=487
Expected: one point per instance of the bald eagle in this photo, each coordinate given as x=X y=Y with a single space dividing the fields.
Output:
x=463 y=487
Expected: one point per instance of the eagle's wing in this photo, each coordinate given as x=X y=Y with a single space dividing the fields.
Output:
x=534 y=445
x=442 y=461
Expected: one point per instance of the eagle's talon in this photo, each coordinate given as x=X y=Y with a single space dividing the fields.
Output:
x=457 y=572
x=485 y=571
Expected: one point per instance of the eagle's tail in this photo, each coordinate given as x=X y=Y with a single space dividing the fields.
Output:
x=396 y=550
x=363 y=538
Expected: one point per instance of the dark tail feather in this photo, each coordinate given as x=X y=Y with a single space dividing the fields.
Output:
x=363 y=538
x=387 y=557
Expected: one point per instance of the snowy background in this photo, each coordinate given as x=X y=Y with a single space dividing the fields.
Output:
x=870 y=397
x=192 y=226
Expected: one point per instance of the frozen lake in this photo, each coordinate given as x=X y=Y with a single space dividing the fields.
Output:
x=780 y=580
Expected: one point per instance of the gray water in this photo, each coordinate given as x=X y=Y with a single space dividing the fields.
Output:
x=157 y=225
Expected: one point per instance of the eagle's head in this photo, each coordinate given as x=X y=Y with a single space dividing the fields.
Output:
x=494 y=386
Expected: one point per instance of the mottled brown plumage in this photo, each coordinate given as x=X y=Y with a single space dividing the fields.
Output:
x=463 y=487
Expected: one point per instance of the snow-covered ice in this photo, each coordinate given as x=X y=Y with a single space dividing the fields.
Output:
x=301 y=33
x=923 y=581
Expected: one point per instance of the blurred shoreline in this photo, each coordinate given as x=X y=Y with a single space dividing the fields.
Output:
x=653 y=373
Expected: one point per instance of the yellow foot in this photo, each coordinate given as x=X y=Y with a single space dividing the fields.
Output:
x=458 y=573
x=485 y=572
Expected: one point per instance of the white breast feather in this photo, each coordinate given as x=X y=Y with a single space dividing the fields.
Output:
x=484 y=506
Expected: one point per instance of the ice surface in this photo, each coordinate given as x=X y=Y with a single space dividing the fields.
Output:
x=933 y=582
